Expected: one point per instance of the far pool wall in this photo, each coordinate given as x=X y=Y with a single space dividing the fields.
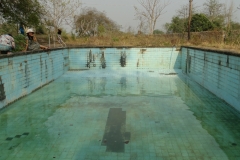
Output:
x=22 y=74
x=132 y=58
x=219 y=72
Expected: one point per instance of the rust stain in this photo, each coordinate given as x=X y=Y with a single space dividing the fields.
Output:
x=142 y=51
x=138 y=63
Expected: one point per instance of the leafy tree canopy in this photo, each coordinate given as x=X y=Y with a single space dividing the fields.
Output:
x=177 y=25
x=24 y=11
x=200 y=23
x=92 y=22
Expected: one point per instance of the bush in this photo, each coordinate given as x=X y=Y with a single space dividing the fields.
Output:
x=20 y=42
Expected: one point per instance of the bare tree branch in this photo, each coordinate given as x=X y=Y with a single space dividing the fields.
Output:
x=59 y=11
x=152 y=10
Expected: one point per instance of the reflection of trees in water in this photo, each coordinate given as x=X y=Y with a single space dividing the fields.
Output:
x=123 y=82
x=141 y=86
x=103 y=83
x=91 y=84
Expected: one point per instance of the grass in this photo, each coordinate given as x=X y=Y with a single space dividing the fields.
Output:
x=210 y=40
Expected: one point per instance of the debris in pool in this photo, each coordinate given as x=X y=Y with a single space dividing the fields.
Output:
x=9 y=139
x=150 y=71
x=71 y=124
x=126 y=142
x=167 y=74
x=234 y=144
x=26 y=133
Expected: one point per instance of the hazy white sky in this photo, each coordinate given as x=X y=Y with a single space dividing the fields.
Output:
x=122 y=11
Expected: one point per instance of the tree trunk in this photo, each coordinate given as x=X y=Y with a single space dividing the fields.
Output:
x=189 y=19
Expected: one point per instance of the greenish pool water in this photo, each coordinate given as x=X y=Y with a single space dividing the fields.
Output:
x=120 y=115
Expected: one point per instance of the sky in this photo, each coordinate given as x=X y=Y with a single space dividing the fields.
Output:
x=122 y=11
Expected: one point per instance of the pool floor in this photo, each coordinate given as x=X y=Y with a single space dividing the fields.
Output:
x=120 y=115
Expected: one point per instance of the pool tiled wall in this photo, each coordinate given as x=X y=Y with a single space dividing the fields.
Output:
x=130 y=58
x=22 y=74
x=219 y=72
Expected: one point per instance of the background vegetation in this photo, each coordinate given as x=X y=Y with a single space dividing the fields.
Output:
x=211 y=27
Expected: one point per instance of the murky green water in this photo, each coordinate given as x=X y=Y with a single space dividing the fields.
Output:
x=123 y=115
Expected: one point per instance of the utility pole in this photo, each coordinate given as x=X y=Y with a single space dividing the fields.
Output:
x=189 y=19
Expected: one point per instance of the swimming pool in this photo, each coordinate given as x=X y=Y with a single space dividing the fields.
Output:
x=164 y=117
x=124 y=113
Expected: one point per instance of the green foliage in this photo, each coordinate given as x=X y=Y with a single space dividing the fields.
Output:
x=27 y=12
x=218 y=24
x=8 y=28
x=235 y=25
x=200 y=23
x=157 y=31
x=115 y=39
x=101 y=29
x=20 y=42
x=177 y=25
x=40 y=29
x=73 y=36
x=64 y=35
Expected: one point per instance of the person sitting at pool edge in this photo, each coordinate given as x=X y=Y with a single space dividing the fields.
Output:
x=6 y=44
x=32 y=43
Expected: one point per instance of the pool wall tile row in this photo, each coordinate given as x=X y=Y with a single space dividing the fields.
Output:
x=133 y=58
x=22 y=74
x=217 y=72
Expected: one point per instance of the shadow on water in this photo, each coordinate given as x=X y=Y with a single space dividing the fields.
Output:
x=221 y=120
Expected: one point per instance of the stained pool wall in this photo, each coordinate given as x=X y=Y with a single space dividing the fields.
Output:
x=130 y=58
x=22 y=74
x=218 y=71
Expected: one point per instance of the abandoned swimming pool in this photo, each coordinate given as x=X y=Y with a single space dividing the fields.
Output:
x=96 y=103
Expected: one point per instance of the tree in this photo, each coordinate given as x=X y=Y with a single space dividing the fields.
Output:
x=213 y=9
x=141 y=25
x=27 y=12
x=189 y=19
x=235 y=25
x=59 y=12
x=200 y=23
x=177 y=25
x=92 y=22
x=157 y=31
x=152 y=10
x=228 y=15
x=183 y=12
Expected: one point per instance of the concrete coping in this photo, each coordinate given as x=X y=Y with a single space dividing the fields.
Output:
x=220 y=51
